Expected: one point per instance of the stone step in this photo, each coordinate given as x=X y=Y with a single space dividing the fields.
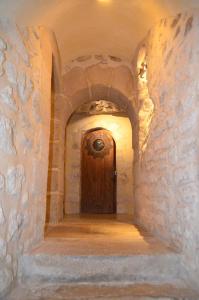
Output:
x=157 y=268
x=76 y=291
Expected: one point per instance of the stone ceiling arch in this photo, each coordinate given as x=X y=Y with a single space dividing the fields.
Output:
x=99 y=77
x=85 y=27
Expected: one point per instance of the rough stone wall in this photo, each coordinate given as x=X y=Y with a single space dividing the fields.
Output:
x=25 y=62
x=145 y=106
x=120 y=128
x=167 y=182
x=87 y=78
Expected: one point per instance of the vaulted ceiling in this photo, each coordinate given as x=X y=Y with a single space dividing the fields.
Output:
x=85 y=27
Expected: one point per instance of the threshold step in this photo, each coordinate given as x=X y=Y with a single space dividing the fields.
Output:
x=110 y=292
x=157 y=268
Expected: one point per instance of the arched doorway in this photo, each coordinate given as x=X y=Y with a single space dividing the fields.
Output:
x=71 y=121
x=117 y=124
x=98 y=172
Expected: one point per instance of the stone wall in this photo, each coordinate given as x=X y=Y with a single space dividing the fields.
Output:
x=25 y=73
x=167 y=181
x=120 y=128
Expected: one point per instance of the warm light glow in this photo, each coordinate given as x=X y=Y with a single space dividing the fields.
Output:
x=104 y=1
x=106 y=122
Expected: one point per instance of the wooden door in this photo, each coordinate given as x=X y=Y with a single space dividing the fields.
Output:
x=98 y=181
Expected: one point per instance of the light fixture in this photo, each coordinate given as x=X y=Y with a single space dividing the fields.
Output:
x=104 y=1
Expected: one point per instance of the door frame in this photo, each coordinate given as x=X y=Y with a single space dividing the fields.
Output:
x=114 y=166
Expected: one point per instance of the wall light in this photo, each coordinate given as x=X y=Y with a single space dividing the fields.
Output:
x=105 y=1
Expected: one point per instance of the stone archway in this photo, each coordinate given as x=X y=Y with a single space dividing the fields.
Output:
x=108 y=116
x=99 y=77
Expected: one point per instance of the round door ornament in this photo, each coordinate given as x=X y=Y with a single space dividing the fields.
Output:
x=98 y=145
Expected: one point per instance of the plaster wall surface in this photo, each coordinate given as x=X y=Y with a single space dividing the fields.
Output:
x=121 y=131
x=85 y=27
x=167 y=181
x=25 y=71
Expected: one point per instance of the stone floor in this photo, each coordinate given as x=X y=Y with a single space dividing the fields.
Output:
x=100 y=257
x=99 y=234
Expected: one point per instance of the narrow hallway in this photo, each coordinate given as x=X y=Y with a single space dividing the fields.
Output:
x=99 y=115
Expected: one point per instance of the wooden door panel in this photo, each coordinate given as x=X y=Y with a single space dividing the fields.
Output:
x=98 y=166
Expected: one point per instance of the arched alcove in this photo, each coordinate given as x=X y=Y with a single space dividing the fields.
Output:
x=84 y=82
x=89 y=117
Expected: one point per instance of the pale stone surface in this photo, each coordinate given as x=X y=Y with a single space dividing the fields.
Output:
x=11 y=72
x=76 y=251
x=102 y=291
x=76 y=80
x=99 y=291
x=122 y=81
x=145 y=103
x=6 y=134
x=36 y=106
x=15 y=222
x=3 y=248
x=2 y=60
x=14 y=180
x=21 y=69
x=15 y=37
x=8 y=259
x=26 y=142
x=99 y=79
x=6 y=278
x=25 y=121
x=6 y=97
x=25 y=198
x=25 y=87
x=2 y=217
x=167 y=174
x=101 y=268
x=3 y=47
x=2 y=182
